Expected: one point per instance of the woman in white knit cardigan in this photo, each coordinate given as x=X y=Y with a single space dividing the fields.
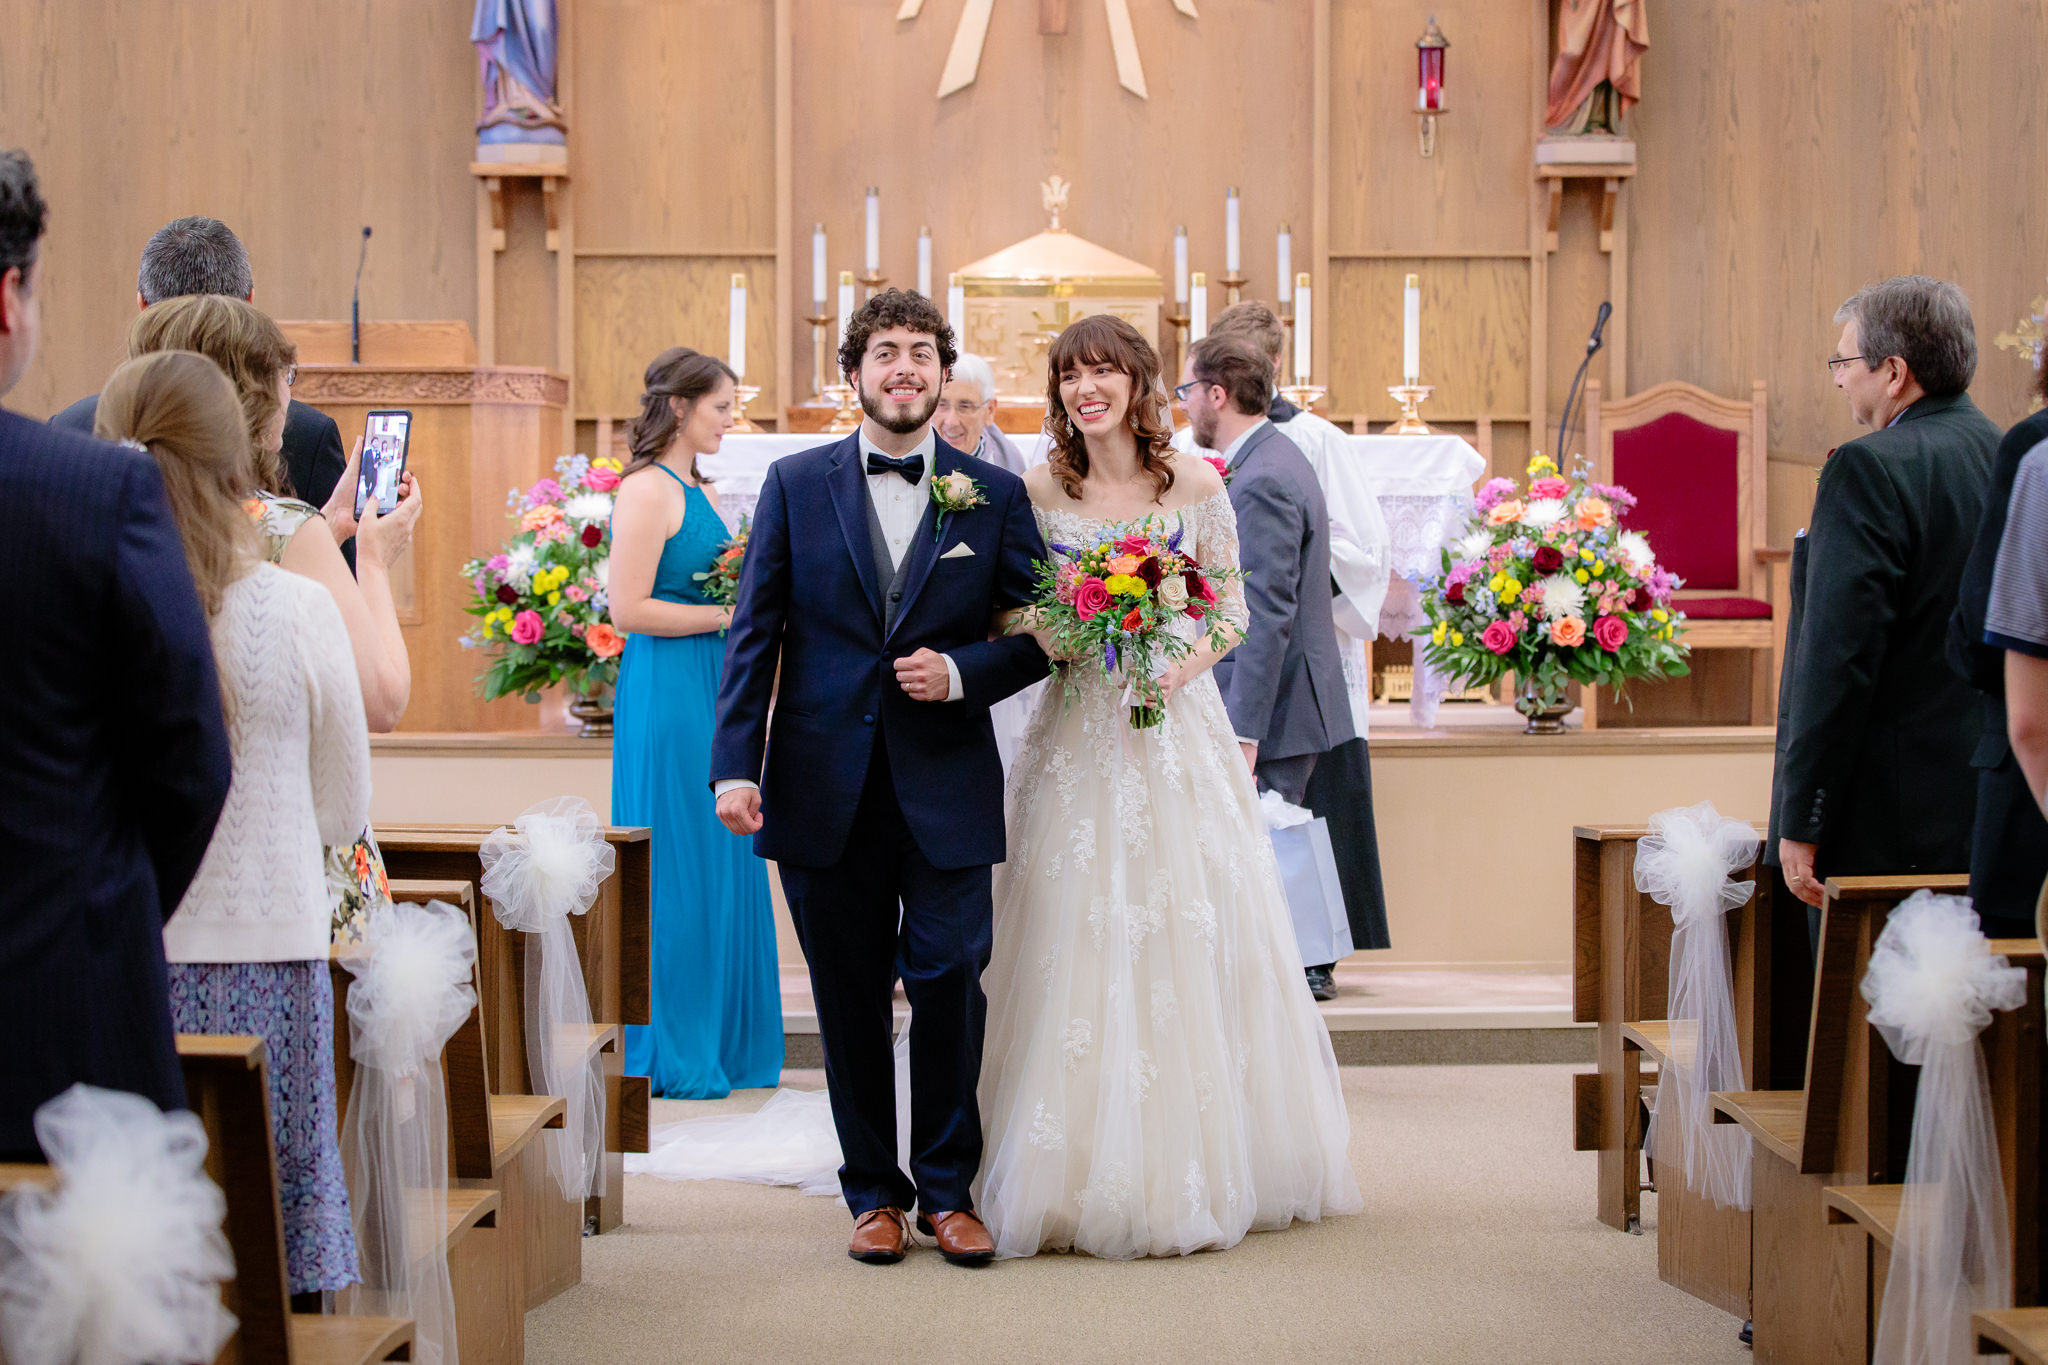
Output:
x=248 y=945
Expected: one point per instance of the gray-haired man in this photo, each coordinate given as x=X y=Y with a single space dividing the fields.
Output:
x=966 y=415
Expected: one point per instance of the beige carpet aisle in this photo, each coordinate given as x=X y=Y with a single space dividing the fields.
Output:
x=1478 y=1243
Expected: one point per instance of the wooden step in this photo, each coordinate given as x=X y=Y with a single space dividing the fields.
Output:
x=2021 y=1332
x=321 y=1339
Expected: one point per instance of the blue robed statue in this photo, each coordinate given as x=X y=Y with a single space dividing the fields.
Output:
x=516 y=41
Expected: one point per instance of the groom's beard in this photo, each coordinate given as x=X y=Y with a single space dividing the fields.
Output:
x=903 y=420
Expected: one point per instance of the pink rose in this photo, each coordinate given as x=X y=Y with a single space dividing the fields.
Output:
x=599 y=480
x=1091 y=599
x=1549 y=487
x=527 y=628
x=1216 y=463
x=1611 y=632
x=1498 y=636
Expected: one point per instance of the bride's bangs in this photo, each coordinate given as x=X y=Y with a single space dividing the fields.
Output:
x=1106 y=339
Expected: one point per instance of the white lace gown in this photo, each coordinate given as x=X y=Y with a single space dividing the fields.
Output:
x=1156 y=1078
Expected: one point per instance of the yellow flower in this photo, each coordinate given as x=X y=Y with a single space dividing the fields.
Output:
x=1506 y=586
x=1437 y=636
x=554 y=599
x=1457 y=637
x=1599 y=567
x=1124 y=585
x=1586 y=555
x=1581 y=575
x=607 y=462
x=1542 y=464
x=1659 y=614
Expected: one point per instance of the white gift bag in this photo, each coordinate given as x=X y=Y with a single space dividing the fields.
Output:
x=1308 y=878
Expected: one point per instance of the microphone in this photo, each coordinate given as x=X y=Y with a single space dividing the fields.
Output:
x=355 y=305
x=1566 y=424
x=1599 y=323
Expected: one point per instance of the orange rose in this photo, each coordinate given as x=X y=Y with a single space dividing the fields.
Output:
x=536 y=518
x=605 y=642
x=1594 y=513
x=1569 y=631
x=1505 y=512
x=1127 y=564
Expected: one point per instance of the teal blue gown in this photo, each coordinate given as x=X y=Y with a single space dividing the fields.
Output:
x=716 y=1000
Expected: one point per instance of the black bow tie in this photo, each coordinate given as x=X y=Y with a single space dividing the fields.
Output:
x=911 y=467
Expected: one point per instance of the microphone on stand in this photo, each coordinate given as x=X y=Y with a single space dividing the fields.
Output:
x=1567 y=424
x=355 y=305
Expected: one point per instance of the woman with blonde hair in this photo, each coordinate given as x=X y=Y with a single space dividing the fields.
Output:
x=248 y=944
x=262 y=362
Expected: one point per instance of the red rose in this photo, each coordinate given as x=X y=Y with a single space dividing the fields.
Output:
x=1611 y=632
x=1548 y=559
x=1135 y=619
x=593 y=535
x=1198 y=587
x=1090 y=599
x=1498 y=636
x=1149 y=571
x=1455 y=594
x=1134 y=545
x=1194 y=610
x=507 y=594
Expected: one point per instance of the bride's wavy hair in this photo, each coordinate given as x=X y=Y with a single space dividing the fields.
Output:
x=1105 y=339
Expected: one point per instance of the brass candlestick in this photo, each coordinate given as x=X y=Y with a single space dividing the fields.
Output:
x=742 y=395
x=872 y=281
x=847 y=400
x=1410 y=396
x=1233 y=284
x=1178 y=355
x=819 y=322
x=1303 y=394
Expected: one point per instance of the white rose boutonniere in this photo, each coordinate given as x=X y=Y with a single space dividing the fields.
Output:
x=954 y=492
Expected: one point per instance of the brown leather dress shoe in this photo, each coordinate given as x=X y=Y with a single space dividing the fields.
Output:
x=962 y=1238
x=880 y=1237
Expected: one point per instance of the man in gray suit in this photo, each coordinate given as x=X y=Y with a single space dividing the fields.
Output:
x=1284 y=684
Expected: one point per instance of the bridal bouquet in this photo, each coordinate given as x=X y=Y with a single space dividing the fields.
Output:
x=722 y=580
x=1548 y=585
x=1115 y=600
x=541 y=609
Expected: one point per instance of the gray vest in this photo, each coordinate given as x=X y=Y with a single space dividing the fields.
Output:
x=886 y=571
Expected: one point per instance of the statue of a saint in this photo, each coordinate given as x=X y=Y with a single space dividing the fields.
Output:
x=1598 y=75
x=516 y=40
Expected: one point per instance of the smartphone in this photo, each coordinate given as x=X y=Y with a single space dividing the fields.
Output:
x=387 y=433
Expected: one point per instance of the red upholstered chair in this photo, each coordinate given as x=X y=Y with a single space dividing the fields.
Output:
x=1695 y=463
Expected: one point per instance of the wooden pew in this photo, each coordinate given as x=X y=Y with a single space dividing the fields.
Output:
x=227 y=1086
x=1848 y=1125
x=2013 y=1060
x=2020 y=1332
x=614 y=942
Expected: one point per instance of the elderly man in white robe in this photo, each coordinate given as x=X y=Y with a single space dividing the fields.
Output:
x=1361 y=559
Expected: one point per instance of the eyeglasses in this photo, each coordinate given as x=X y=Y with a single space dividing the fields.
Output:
x=1180 y=391
x=291 y=375
x=1835 y=362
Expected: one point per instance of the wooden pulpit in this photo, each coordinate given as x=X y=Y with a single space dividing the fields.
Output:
x=477 y=431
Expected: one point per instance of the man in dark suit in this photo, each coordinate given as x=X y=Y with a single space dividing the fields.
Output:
x=882 y=786
x=1875 y=776
x=113 y=750
x=202 y=256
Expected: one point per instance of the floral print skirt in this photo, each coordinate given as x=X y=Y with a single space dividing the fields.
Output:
x=290 y=1005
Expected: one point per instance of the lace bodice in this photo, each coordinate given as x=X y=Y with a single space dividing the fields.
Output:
x=1209 y=534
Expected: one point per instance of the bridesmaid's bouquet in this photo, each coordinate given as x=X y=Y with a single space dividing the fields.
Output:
x=721 y=582
x=543 y=614
x=1115 y=600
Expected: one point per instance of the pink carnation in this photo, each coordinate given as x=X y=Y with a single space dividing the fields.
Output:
x=498 y=563
x=547 y=490
x=1611 y=632
x=1067 y=584
x=1461 y=572
x=1498 y=636
x=1493 y=492
x=1091 y=599
x=575 y=593
x=1497 y=558
x=599 y=480
x=1518 y=620
x=527 y=628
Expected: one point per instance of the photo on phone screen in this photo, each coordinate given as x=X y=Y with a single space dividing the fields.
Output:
x=385 y=438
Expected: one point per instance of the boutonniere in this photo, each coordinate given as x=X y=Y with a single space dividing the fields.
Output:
x=954 y=492
x=1216 y=463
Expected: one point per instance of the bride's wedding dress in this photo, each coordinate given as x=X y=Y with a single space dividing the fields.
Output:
x=1156 y=1078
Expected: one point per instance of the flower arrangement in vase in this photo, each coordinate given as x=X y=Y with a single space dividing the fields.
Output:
x=1548 y=585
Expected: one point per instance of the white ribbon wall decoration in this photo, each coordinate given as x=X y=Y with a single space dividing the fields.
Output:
x=122 y=1263
x=412 y=991
x=1932 y=986
x=1685 y=862
x=545 y=868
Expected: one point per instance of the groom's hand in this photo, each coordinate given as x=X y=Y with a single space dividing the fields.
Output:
x=739 y=809
x=924 y=676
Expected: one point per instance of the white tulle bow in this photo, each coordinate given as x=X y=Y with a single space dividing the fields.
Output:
x=1933 y=985
x=122 y=1263
x=548 y=866
x=412 y=991
x=1685 y=862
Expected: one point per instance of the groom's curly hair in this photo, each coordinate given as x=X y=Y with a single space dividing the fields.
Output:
x=895 y=308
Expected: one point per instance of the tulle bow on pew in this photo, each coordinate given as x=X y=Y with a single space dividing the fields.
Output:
x=1685 y=862
x=1932 y=985
x=121 y=1263
x=545 y=868
x=411 y=993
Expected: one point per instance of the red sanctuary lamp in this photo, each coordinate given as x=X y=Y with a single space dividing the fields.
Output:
x=1429 y=81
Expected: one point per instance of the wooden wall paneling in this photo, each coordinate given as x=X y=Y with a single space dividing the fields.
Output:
x=786 y=245
x=524 y=283
x=1319 y=189
x=1537 y=218
x=631 y=308
x=1578 y=279
x=1475 y=335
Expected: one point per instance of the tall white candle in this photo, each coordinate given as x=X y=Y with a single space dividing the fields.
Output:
x=1198 y=307
x=924 y=261
x=1285 y=274
x=1411 y=330
x=1304 y=329
x=874 y=256
x=1230 y=242
x=956 y=308
x=818 y=295
x=1180 y=265
x=736 y=328
x=845 y=314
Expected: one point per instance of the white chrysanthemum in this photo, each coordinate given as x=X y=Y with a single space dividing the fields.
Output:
x=602 y=572
x=1474 y=545
x=1562 y=596
x=1543 y=512
x=520 y=561
x=1633 y=549
x=588 y=507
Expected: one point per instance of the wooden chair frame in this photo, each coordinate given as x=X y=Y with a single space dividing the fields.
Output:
x=1762 y=572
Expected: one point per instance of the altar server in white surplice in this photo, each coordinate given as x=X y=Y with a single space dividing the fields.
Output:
x=1361 y=560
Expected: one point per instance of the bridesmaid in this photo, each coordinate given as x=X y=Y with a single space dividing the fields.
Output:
x=717 y=1000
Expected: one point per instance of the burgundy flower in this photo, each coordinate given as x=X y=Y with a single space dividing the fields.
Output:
x=593 y=535
x=507 y=594
x=1149 y=571
x=1198 y=587
x=1548 y=559
x=1455 y=594
x=1639 y=599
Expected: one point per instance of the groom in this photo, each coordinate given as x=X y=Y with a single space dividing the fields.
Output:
x=870 y=579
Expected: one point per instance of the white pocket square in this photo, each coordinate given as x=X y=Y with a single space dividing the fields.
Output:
x=960 y=551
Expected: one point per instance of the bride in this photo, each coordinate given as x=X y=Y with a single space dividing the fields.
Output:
x=1156 y=1078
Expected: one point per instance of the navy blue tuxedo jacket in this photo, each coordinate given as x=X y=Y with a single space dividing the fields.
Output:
x=113 y=767
x=810 y=601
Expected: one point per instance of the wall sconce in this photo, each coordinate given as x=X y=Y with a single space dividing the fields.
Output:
x=1429 y=82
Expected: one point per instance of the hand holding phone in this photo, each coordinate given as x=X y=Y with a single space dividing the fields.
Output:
x=387 y=436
